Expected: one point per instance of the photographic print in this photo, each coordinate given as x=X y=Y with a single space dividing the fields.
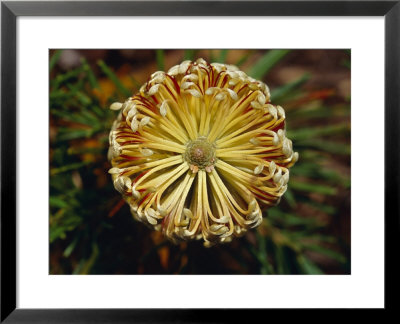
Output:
x=200 y=161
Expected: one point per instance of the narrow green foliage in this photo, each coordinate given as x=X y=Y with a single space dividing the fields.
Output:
x=327 y=252
x=266 y=63
x=278 y=95
x=290 y=198
x=262 y=255
x=333 y=147
x=160 y=60
x=243 y=59
x=307 y=266
x=189 y=54
x=112 y=76
x=94 y=84
x=54 y=59
x=65 y=78
x=68 y=134
x=312 y=133
x=222 y=56
x=57 y=202
x=311 y=187
x=70 y=248
x=69 y=167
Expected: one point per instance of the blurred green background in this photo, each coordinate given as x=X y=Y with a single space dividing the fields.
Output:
x=91 y=230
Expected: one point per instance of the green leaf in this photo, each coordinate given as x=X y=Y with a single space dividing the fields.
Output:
x=70 y=248
x=65 y=78
x=330 y=210
x=314 y=170
x=81 y=150
x=54 y=59
x=312 y=133
x=160 y=59
x=266 y=63
x=83 y=98
x=90 y=75
x=114 y=79
x=279 y=93
x=311 y=112
x=73 y=117
x=312 y=187
x=346 y=63
x=289 y=219
x=325 y=146
x=90 y=262
x=135 y=82
x=68 y=167
x=57 y=202
x=289 y=197
x=262 y=255
x=189 y=54
x=281 y=261
x=222 y=56
x=56 y=233
x=67 y=134
x=211 y=56
x=327 y=252
x=308 y=266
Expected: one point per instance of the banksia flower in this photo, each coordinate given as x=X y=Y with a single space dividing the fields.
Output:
x=200 y=151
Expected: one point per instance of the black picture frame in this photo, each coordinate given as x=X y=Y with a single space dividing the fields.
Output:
x=10 y=10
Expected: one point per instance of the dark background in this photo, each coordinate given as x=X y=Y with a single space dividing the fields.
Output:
x=91 y=229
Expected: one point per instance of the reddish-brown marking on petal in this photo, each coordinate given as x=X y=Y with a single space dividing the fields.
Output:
x=211 y=77
x=120 y=128
x=164 y=222
x=208 y=74
x=123 y=136
x=139 y=176
x=272 y=157
x=130 y=142
x=144 y=199
x=242 y=88
x=170 y=93
x=155 y=100
x=241 y=101
x=130 y=158
x=280 y=126
x=246 y=110
x=217 y=78
x=224 y=80
x=262 y=195
x=188 y=69
x=147 y=103
x=177 y=88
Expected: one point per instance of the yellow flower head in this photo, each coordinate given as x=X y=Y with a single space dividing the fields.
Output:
x=200 y=151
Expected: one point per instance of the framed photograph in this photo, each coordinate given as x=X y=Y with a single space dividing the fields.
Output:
x=186 y=160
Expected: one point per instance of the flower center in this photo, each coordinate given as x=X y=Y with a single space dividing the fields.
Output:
x=200 y=153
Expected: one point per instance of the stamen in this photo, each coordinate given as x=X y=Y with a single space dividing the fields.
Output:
x=258 y=169
x=194 y=93
x=146 y=152
x=164 y=108
x=153 y=90
x=116 y=106
x=145 y=121
x=134 y=124
x=272 y=167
